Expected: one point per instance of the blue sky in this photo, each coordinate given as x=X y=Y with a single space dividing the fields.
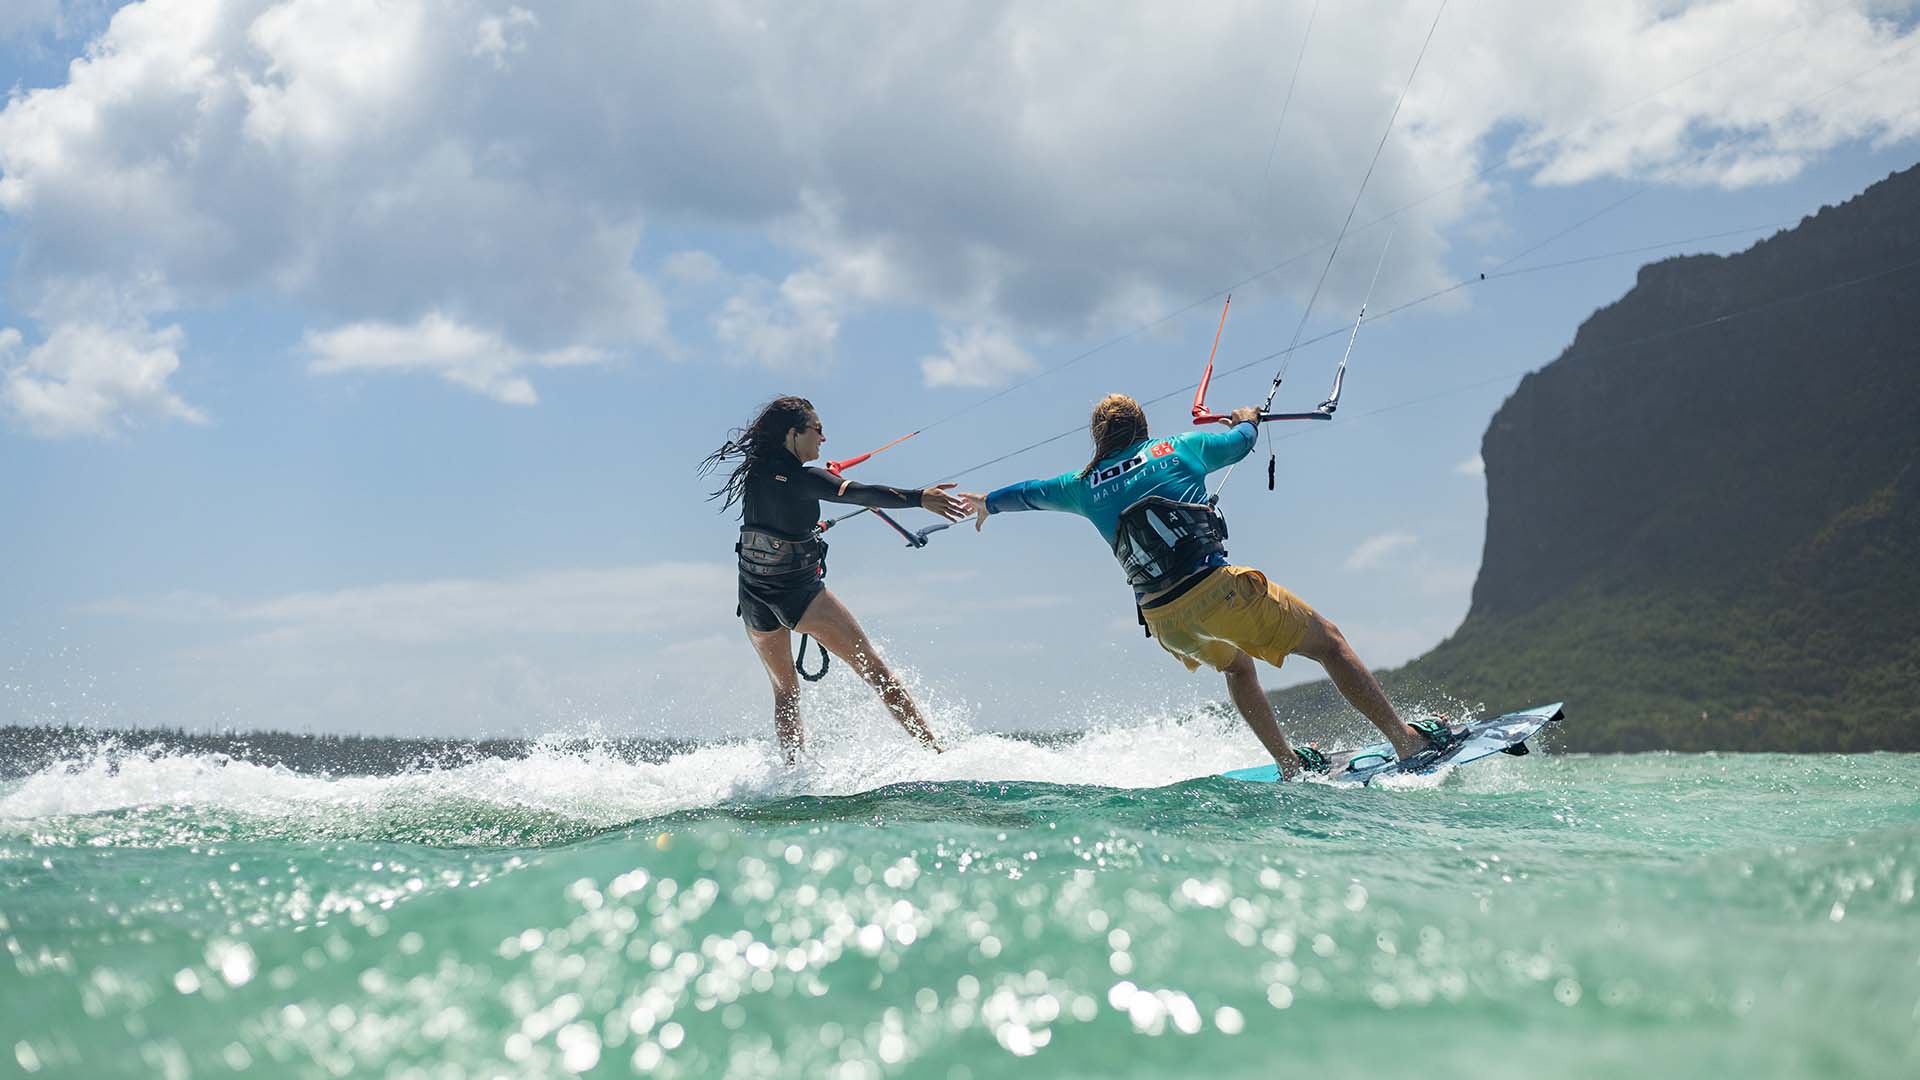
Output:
x=355 y=357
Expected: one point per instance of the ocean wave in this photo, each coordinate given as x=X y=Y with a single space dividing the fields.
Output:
x=561 y=793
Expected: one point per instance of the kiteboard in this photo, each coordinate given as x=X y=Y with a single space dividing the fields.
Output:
x=1504 y=734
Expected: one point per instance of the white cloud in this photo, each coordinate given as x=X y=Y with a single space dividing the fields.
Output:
x=1374 y=550
x=976 y=356
x=91 y=379
x=374 y=162
x=1473 y=466
x=792 y=327
x=1806 y=77
x=349 y=156
x=499 y=36
x=463 y=355
x=693 y=267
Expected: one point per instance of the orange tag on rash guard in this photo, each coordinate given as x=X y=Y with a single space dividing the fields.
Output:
x=1163 y=449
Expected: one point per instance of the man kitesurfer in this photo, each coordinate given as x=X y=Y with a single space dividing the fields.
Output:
x=1148 y=497
x=782 y=557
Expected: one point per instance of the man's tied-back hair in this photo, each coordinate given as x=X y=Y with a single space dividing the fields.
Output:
x=1118 y=422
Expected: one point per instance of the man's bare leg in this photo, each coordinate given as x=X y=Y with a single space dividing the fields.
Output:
x=835 y=628
x=1243 y=685
x=1325 y=645
x=776 y=652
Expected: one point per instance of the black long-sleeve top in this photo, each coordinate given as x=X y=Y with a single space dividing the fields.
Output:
x=784 y=496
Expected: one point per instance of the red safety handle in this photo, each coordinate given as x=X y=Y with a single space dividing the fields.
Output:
x=835 y=467
x=1200 y=413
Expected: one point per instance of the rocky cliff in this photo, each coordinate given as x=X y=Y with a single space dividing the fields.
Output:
x=1703 y=523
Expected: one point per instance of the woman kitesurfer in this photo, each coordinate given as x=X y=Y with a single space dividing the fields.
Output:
x=1148 y=498
x=783 y=558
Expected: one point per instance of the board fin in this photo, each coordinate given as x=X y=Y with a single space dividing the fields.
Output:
x=1518 y=749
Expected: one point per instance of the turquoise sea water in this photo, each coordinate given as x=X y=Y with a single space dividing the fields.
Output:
x=1083 y=910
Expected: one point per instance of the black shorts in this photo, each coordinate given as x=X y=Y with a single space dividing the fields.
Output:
x=769 y=606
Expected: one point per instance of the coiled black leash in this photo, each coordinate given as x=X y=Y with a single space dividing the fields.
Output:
x=800 y=660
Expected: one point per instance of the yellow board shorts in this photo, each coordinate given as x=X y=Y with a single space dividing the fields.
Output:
x=1233 y=609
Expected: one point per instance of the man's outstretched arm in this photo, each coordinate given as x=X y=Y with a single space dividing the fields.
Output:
x=1054 y=494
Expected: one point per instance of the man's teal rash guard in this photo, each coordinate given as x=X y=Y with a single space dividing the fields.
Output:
x=1175 y=468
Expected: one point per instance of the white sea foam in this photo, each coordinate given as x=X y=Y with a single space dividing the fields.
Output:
x=591 y=785
x=853 y=747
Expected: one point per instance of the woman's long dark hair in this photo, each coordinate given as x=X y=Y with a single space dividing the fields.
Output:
x=750 y=445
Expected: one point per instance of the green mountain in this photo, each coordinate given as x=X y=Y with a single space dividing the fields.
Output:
x=1703 y=517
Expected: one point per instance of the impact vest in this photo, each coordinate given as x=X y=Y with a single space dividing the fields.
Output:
x=1159 y=542
x=765 y=554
